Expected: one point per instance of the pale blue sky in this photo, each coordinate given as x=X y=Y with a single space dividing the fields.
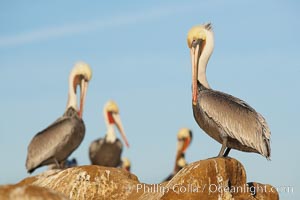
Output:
x=139 y=57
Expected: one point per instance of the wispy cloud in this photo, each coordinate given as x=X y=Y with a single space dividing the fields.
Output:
x=46 y=33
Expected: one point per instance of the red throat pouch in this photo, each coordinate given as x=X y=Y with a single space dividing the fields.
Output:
x=110 y=118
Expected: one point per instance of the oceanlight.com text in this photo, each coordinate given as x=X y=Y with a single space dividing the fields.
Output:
x=211 y=188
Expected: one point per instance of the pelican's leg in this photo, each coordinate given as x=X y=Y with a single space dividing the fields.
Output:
x=223 y=147
x=62 y=164
x=226 y=152
x=57 y=163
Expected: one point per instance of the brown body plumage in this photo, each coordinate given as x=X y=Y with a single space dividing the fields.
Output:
x=57 y=142
x=227 y=119
x=54 y=144
x=107 y=151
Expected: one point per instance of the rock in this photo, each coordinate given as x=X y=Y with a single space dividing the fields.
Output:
x=28 y=192
x=215 y=178
x=263 y=191
x=87 y=182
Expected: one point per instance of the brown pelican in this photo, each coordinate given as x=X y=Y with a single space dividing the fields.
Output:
x=126 y=164
x=107 y=151
x=184 y=138
x=227 y=119
x=55 y=143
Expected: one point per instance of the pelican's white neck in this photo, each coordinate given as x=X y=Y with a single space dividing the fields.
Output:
x=203 y=60
x=110 y=134
x=72 y=101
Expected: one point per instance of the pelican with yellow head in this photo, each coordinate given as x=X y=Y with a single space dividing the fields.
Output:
x=184 y=139
x=107 y=151
x=225 y=118
x=54 y=144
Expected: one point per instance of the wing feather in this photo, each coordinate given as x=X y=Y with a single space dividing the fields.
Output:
x=237 y=119
x=94 y=147
x=47 y=143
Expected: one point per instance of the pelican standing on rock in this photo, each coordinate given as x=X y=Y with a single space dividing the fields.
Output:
x=184 y=138
x=55 y=143
x=227 y=119
x=107 y=151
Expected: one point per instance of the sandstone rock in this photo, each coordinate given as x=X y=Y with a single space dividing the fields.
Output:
x=263 y=191
x=215 y=178
x=28 y=192
x=87 y=182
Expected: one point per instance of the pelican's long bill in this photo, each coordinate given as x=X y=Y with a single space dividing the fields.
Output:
x=196 y=49
x=182 y=146
x=185 y=145
x=119 y=125
x=83 y=90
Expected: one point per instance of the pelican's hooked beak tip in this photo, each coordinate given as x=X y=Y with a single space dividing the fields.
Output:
x=194 y=102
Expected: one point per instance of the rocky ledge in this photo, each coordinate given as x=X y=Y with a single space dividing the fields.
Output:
x=215 y=178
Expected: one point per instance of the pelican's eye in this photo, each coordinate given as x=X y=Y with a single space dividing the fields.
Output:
x=195 y=42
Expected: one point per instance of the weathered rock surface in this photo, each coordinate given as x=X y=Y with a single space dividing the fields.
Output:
x=28 y=192
x=215 y=178
x=87 y=182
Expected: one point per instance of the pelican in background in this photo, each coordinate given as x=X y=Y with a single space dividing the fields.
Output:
x=107 y=151
x=55 y=143
x=227 y=119
x=126 y=164
x=184 y=138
